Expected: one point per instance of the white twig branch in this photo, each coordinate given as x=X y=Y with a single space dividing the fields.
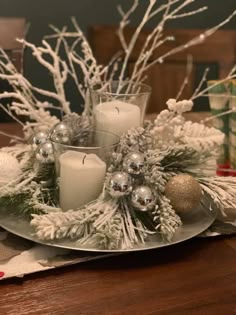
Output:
x=227 y=112
x=57 y=69
x=135 y=36
x=230 y=76
x=196 y=40
x=189 y=68
x=124 y=22
x=202 y=81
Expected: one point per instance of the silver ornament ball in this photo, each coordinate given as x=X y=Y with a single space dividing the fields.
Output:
x=184 y=192
x=119 y=184
x=62 y=133
x=39 y=138
x=45 y=153
x=134 y=163
x=143 y=198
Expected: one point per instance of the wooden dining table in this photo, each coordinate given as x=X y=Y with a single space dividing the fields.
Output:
x=197 y=276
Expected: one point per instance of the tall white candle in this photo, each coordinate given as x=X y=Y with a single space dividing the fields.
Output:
x=117 y=117
x=81 y=179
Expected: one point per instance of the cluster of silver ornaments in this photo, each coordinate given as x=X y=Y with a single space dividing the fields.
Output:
x=41 y=142
x=133 y=163
x=143 y=198
x=119 y=184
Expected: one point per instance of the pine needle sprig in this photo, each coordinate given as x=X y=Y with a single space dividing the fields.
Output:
x=73 y=224
x=221 y=190
x=167 y=221
x=179 y=158
x=163 y=164
x=20 y=204
x=30 y=193
x=101 y=224
x=198 y=136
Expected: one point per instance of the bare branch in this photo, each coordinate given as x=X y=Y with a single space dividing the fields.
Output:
x=189 y=69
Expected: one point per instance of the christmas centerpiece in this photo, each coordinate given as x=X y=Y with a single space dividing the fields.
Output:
x=107 y=178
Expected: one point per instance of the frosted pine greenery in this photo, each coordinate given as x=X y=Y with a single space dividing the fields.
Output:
x=167 y=221
x=34 y=190
x=170 y=145
x=161 y=165
x=97 y=221
x=170 y=128
x=164 y=126
x=111 y=223
x=101 y=224
x=221 y=190
x=136 y=139
x=199 y=136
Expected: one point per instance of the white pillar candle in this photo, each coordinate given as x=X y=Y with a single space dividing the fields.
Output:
x=117 y=117
x=81 y=179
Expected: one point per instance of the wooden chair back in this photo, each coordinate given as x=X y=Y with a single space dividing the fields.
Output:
x=166 y=78
x=10 y=29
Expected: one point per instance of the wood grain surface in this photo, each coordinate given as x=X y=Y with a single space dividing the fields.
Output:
x=194 y=277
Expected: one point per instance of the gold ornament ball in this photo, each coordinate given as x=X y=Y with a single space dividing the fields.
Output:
x=184 y=193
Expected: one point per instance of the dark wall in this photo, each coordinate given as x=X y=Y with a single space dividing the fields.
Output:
x=41 y=13
x=88 y=12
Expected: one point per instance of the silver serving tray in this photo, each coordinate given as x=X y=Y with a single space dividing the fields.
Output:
x=194 y=223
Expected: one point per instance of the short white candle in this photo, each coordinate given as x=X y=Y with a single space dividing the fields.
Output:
x=117 y=117
x=81 y=179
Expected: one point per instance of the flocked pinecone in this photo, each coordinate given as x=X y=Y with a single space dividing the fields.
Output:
x=116 y=162
x=166 y=219
x=136 y=139
x=77 y=122
x=80 y=125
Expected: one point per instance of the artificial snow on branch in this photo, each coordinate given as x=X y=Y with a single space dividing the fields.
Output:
x=170 y=10
x=127 y=212
x=221 y=190
x=67 y=54
x=198 y=135
x=23 y=101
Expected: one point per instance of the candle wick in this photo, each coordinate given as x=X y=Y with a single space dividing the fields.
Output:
x=117 y=109
x=84 y=159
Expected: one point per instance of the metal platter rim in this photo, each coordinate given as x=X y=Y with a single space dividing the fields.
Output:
x=210 y=215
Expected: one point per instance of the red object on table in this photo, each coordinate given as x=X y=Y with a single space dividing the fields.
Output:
x=223 y=169
x=232 y=172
